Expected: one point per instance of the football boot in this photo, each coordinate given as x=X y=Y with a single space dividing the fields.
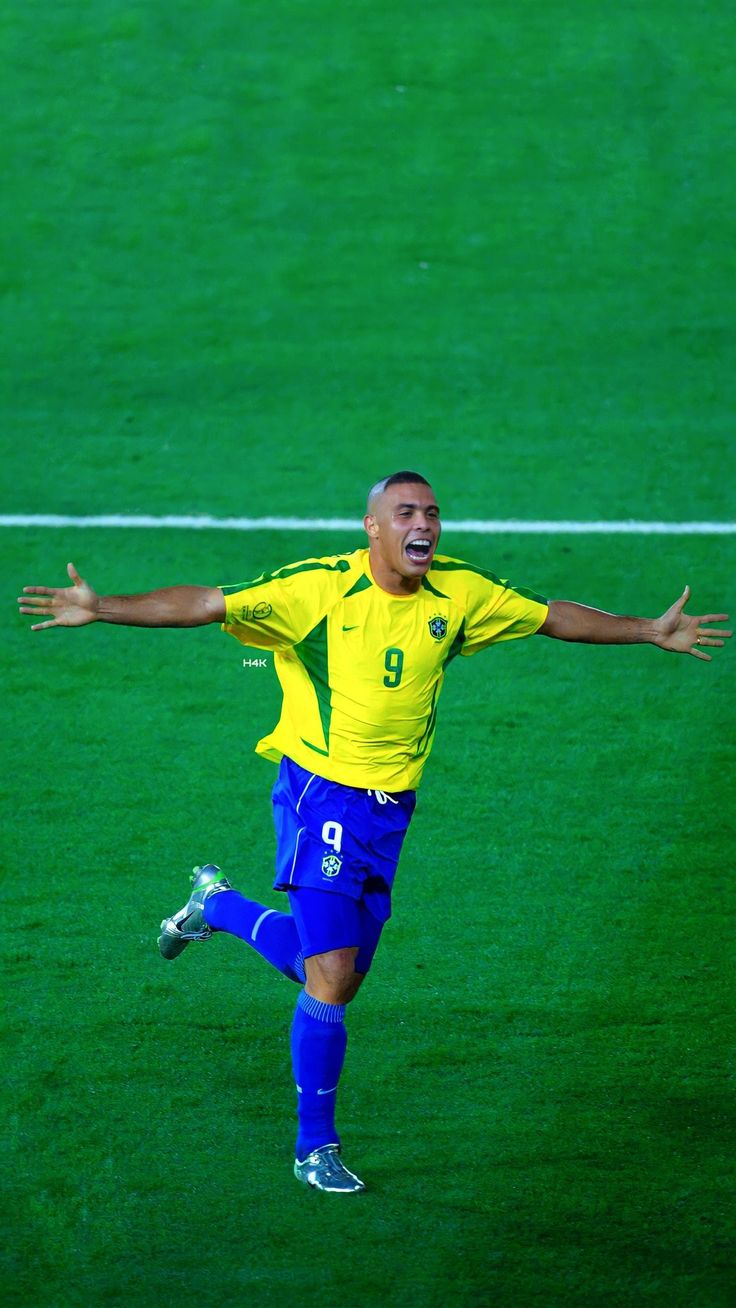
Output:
x=188 y=924
x=324 y=1169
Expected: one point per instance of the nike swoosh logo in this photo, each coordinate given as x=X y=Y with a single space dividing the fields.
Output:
x=350 y=628
x=327 y=1092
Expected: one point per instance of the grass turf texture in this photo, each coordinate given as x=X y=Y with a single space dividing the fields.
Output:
x=217 y=301
x=218 y=222
x=562 y=903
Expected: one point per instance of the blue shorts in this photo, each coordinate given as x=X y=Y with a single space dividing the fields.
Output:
x=327 y=921
x=337 y=838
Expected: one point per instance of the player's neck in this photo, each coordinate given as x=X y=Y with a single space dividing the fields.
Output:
x=388 y=579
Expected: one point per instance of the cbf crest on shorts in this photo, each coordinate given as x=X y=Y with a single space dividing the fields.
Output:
x=437 y=627
x=331 y=865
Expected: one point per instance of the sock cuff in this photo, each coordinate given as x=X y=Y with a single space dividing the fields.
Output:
x=319 y=1010
x=214 y=904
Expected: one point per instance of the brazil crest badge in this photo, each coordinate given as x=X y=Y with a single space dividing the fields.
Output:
x=438 y=627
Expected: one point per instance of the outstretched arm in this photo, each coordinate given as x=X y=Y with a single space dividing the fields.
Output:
x=675 y=630
x=78 y=604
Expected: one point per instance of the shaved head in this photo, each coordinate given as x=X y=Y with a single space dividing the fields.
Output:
x=396 y=478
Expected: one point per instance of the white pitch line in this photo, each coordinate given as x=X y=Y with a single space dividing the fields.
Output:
x=481 y=527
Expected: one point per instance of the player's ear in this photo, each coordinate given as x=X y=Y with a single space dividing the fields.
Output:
x=370 y=524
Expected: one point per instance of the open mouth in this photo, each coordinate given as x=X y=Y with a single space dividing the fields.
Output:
x=420 y=549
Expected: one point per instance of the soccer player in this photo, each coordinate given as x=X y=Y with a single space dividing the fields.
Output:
x=361 y=642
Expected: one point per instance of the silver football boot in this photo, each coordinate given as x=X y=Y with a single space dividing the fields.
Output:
x=324 y=1170
x=189 y=924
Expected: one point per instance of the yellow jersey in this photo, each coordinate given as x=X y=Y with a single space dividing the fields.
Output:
x=360 y=669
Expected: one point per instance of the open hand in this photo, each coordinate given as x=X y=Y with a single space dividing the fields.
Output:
x=72 y=606
x=682 y=634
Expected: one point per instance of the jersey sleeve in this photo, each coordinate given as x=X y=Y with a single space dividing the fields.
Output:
x=499 y=611
x=277 y=610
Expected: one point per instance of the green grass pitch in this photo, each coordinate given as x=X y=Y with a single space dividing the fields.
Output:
x=258 y=255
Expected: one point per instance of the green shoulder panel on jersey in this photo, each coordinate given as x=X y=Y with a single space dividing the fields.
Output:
x=312 y=654
x=455 y=565
x=427 y=585
x=363 y=583
x=291 y=570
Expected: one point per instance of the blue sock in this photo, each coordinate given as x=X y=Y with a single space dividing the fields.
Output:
x=318 y=1043
x=272 y=934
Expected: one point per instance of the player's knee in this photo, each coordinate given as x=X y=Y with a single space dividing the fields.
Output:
x=332 y=977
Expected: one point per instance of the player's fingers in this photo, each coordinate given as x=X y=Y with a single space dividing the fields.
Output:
x=682 y=601
x=74 y=575
x=36 y=613
x=39 y=590
x=703 y=639
x=39 y=626
x=699 y=654
x=714 y=617
x=29 y=604
x=42 y=604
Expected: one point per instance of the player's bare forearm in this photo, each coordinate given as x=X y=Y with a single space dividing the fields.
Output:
x=173 y=606
x=577 y=622
x=78 y=605
x=676 y=631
